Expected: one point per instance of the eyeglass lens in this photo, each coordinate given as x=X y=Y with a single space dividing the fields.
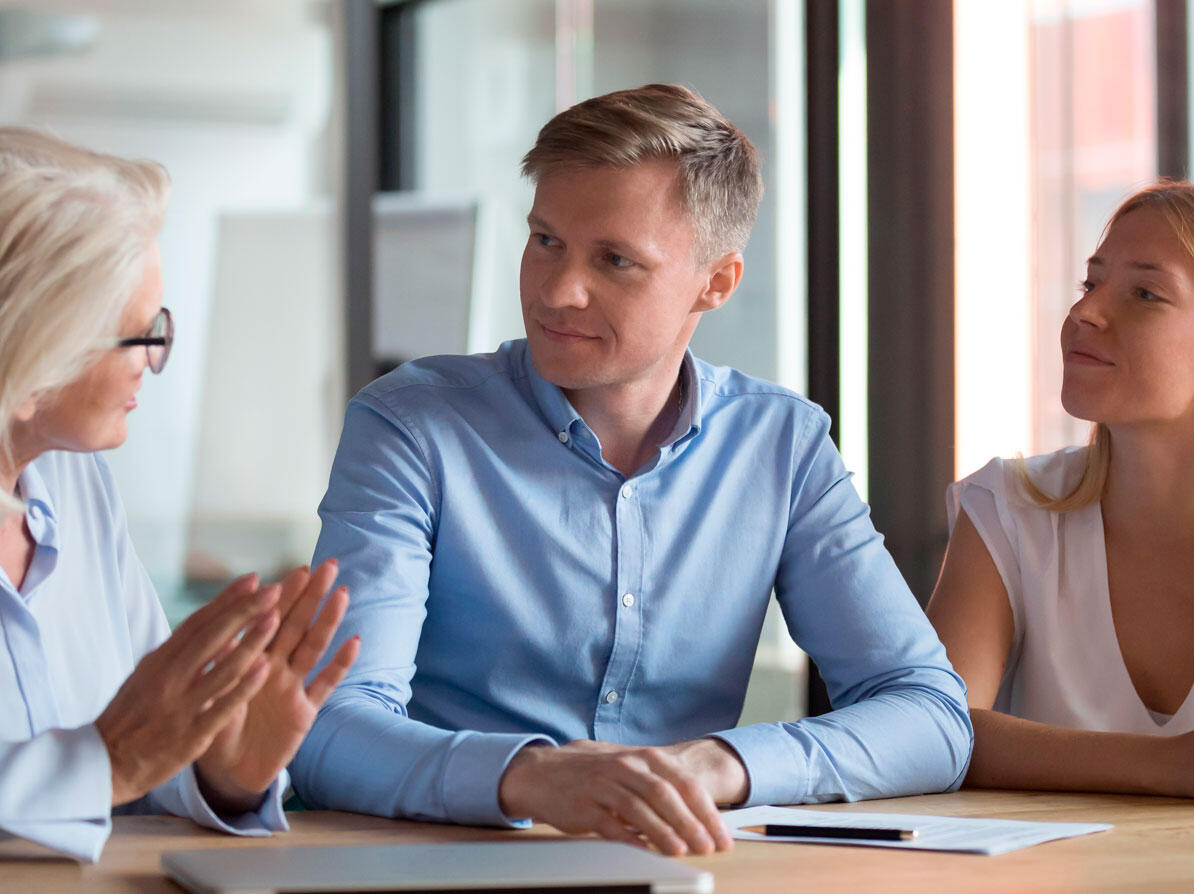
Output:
x=163 y=328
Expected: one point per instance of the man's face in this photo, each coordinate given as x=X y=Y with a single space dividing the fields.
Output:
x=610 y=291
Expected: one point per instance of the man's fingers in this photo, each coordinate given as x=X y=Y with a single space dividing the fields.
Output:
x=315 y=641
x=641 y=776
x=609 y=826
x=630 y=808
x=329 y=678
x=699 y=802
x=297 y=617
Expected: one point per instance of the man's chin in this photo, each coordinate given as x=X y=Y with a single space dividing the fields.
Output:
x=566 y=372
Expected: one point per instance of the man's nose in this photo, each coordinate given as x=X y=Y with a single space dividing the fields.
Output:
x=565 y=285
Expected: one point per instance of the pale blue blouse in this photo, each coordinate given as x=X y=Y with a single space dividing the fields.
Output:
x=75 y=630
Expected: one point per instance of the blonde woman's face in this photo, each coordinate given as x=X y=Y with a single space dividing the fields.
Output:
x=1128 y=342
x=91 y=413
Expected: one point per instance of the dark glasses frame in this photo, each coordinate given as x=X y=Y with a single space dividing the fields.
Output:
x=163 y=323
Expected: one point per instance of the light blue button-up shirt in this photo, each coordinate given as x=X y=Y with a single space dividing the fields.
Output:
x=510 y=586
x=84 y=616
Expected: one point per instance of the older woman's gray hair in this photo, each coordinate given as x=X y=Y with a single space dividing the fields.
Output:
x=74 y=229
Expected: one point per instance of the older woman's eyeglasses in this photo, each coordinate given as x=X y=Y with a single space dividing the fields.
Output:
x=156 y=341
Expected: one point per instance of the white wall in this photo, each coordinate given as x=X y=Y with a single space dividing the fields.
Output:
x=233 y=98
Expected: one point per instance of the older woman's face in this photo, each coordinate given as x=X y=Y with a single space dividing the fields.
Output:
x=91 y=413
x=1128 y=342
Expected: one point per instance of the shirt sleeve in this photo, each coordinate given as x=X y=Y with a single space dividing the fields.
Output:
x=364 y=753
x=900 y=725
x=57 y=791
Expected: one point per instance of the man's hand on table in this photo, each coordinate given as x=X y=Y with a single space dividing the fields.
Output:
x=667 y=795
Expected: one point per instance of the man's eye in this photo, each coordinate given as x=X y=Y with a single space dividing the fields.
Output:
x=619 y=261
x=1146 y=295
x=543 y=239
x=1085 y=286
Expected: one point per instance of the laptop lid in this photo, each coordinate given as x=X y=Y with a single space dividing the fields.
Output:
x=546 y=865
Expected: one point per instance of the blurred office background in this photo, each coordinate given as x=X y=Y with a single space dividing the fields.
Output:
x=346 y=196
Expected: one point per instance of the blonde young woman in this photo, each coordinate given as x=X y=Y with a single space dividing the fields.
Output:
x=1066 y=601
x=101 y=709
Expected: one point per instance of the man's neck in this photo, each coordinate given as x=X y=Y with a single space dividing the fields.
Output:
x=631 y=421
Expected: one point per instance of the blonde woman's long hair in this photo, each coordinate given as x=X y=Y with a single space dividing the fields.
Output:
x=1175 y=200
x=74 y=229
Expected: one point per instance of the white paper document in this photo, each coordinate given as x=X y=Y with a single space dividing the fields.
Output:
x=933 y=833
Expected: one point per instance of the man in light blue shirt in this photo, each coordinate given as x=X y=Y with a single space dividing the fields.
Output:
x=561 y=553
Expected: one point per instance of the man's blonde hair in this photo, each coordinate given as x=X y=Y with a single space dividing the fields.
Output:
x=74 y=229
x=717 y=166
x=1175 y=200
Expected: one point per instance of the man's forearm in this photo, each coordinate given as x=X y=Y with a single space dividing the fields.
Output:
x=362 y=757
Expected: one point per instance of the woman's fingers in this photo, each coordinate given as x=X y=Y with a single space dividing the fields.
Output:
x=302 y=609
x=225 y=672
x=193 y=648
x=329 y=678
x=317 y=637
x=211 y=720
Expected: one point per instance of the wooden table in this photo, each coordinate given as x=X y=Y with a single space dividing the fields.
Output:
x=1150 y=849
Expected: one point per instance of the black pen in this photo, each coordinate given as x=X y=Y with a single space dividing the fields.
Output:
x=771 y=829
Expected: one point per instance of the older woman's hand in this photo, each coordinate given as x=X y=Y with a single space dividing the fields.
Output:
x=262 y=736
x=184 y=692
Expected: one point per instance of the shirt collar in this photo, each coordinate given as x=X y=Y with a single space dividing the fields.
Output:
x=561 y=415
x=555 y=407
x=39 y=507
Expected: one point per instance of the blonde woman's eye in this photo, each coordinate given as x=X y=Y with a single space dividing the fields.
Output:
x=1146 y=295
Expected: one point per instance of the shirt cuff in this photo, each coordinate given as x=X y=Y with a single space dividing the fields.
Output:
x=268 y=818
x=473 y=775
x=777 y=771
x=66 y=802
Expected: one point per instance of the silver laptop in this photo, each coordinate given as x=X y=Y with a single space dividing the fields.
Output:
x=550 y=865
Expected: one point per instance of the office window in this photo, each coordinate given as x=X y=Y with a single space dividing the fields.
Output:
x=1046 y=149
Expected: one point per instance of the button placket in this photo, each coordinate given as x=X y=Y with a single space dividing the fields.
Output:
x=627 y=641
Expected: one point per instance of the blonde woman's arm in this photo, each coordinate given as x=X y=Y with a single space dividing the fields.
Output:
x=973 y=617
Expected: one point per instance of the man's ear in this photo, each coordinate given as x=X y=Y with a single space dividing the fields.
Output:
x=723 y=274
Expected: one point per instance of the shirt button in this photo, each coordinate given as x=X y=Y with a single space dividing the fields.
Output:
x=628 y=600
x=563 y=436
x=627 y=491
x=611 y=697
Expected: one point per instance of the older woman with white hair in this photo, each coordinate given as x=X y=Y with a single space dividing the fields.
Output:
x=102 y=710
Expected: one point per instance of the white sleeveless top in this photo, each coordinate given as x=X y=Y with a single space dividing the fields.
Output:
x=1065 y=667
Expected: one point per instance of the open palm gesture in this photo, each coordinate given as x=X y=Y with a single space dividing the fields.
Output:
x=263 y=735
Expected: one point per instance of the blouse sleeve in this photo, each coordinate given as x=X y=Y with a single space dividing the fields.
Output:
x=984 y=498
x=148 y=629
x=57 y=791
